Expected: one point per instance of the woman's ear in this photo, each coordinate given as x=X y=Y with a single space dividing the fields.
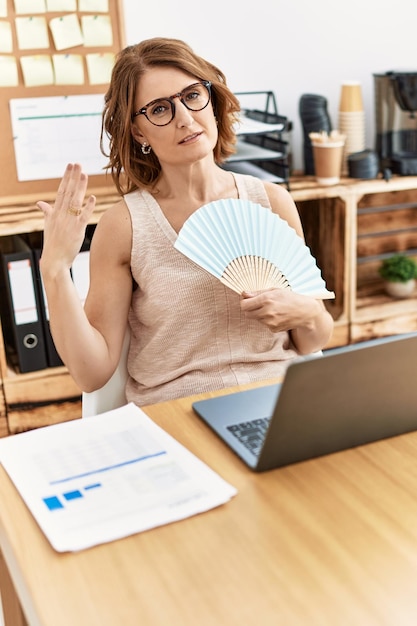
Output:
x=136 y=134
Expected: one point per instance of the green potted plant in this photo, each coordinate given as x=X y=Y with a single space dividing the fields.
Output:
x=399 y=273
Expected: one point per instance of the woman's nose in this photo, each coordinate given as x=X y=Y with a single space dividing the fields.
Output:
x=183 y=116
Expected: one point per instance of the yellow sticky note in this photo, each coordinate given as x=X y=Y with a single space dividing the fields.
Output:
x=66 y=31
x=32 y=33
x=37 y=70
x=97 y=30
x=68 y=69
x=6 y=41
x=3 y=8
x=61 y=5
x=93 y=6
x=8 y=71
x=99 y=68
x=29 y=7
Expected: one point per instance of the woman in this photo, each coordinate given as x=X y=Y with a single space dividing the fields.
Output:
x=169 y=116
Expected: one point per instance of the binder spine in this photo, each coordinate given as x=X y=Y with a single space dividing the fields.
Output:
x=24 y=331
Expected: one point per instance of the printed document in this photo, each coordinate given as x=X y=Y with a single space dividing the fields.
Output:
x=97 y=479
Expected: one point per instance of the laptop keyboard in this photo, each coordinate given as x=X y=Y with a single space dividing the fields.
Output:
x=251 y=434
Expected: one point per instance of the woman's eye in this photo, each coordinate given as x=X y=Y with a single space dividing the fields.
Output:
x=160 y=108
x=192 y=95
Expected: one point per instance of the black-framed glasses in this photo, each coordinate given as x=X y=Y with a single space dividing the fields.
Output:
x=161 y=111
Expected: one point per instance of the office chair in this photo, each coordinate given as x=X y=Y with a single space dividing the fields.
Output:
x=112 y=394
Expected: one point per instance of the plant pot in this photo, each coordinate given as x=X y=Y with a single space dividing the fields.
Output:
x=400 y=290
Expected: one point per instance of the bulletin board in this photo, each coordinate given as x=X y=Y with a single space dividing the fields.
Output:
x=56 y=58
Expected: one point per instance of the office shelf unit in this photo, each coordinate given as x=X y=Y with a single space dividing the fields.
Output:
x=263 y=147
x=349 y=227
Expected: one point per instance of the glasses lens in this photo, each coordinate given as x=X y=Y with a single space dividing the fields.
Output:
x=196 y=97
x=159 y=112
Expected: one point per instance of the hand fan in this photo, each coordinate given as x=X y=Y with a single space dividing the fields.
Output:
x=249 y=248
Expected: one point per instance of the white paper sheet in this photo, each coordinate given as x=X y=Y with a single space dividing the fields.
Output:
x=53 y=131
x=246 y=126
x=98 y=479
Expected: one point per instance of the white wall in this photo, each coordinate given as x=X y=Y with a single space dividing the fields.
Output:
x=291 y=47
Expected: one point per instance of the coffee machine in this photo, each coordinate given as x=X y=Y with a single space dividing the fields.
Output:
x=396 y=121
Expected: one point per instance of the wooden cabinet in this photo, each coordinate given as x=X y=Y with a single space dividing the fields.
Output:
x=349 y=228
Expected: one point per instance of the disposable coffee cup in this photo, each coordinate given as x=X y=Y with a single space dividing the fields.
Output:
x=328 y=157
x=351 y=97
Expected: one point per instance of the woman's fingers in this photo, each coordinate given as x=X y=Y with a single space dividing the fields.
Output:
x=72 y=188
x=71 y=193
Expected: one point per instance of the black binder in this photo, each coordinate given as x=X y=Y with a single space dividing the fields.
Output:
x=54 y=360
x=20 y=307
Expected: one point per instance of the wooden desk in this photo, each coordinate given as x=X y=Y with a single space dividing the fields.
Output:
x=328 y=542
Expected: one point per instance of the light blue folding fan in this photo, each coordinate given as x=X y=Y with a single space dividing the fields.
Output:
x=249 y=248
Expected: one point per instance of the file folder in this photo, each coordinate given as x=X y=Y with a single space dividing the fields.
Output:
x=54 y=360
x=20 y=307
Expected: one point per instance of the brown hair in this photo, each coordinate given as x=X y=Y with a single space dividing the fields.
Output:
x=129 y=168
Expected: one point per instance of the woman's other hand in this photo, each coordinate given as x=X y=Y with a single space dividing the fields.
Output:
x=304 y=317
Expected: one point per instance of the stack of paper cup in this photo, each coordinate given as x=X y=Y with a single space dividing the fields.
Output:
x=351 y=120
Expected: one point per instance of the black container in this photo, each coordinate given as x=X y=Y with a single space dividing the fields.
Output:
x=314 y=118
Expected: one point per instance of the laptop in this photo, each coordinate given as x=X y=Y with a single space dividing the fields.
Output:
x=350 y=396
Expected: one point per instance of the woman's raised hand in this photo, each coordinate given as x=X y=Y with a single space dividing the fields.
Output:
x=66 y=220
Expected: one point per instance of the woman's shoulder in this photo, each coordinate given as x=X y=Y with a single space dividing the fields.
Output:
x=115 y=212
x=115 y=221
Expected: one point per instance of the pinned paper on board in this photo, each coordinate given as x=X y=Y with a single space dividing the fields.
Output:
x=99 y=68
x=66 y=31
x=32 y=33
x=6 y=41
x=37 y=70
x=68 y=69
x=97 y=30
x=93 y=6
x=30 y=7
x=61 y=5
x=8 y=71
x=70 y=128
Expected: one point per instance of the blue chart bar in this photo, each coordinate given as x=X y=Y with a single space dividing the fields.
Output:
x=73 y=495
x=53 y=503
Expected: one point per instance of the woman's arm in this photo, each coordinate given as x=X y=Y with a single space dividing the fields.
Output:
x=88 y=340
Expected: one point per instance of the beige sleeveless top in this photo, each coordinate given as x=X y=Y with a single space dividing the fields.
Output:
x=188 y=333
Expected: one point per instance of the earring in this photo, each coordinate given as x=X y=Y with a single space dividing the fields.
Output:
x=146 y=148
